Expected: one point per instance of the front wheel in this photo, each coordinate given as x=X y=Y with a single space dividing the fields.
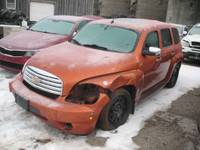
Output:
x=116 y=112
x=174 y=77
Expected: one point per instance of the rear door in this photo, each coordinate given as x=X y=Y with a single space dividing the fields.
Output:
x=155 y=68
x=168 y=51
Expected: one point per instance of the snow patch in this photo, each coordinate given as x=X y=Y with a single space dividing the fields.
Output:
x=19 y=129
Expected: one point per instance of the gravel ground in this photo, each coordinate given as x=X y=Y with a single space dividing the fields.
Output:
x=175 y=128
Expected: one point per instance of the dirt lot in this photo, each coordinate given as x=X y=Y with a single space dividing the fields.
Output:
x=175 y=128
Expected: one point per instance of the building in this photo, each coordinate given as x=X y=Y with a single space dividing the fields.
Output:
x=151 y=9
x=37 y=9
x=173 y=11
x=183 y=12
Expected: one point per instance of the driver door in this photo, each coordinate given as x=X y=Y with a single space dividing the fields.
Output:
x=151 y=64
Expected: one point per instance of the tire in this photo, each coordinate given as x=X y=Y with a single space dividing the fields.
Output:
x=174 y=77
x=116 y=112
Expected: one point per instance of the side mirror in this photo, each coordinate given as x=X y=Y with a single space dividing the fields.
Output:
x=185 y=32
x=152 y=51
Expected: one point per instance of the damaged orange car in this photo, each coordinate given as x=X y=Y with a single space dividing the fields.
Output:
x=99 y=75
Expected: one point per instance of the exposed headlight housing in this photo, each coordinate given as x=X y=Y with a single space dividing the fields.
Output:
x=31 y=53
x=85 y=94
x=185 y=43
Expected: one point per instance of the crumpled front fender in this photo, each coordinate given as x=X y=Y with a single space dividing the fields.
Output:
x=117 y=80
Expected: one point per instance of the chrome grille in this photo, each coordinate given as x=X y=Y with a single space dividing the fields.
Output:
x=196 y=44
x=43 y=80
x=16 y=53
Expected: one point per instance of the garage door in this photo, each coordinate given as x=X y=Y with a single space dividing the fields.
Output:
x=41 y=10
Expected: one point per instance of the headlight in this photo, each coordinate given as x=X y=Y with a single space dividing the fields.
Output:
x=185 y=43
x=31 y=53
x=85 y=94
x=24 y=67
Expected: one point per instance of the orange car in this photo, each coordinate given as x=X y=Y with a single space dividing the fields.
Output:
x=99 y=75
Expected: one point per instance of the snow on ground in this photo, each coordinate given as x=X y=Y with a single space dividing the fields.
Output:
x=19 y=129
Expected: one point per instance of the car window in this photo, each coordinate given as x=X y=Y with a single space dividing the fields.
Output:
x=195 y=30
x=152 y=40
x=54 y=26
x=176 y=35
x=166 y=37
x=185 y=29
x=107 y=37
x=82 y=24
x=180 y=29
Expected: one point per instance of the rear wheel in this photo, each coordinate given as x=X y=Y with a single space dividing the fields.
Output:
x=116 y=112
x=174 y=77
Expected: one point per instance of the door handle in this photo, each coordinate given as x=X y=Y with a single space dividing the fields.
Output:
x=172 y=53
x=159 y=59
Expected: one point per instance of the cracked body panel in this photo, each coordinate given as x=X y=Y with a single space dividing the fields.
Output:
x=80 y=84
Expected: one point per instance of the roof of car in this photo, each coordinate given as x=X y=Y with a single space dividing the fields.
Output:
x=178 y=25
x=69 y=18
x=198 y=24
x=133 y=23
x=92 y=17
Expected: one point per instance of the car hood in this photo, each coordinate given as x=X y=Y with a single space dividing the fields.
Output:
x=194 y=38
x=31 y=40
x=73 y=63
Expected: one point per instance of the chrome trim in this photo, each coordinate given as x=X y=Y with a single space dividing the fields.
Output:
x=195 y=46
x=195 y=50
x=10 y=55
x=14 y=49
x=47 y=81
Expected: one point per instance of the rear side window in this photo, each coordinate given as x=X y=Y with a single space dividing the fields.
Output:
x=185 y=29
x=151 y=40
x=166 y=37
x=176 y=35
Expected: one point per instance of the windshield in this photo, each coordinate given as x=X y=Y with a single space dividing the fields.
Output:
x=107 y=37
x=195 y=30
x=53 y=26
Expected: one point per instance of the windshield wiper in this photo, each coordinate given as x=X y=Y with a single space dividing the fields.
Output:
x=95 y=46
x=44 y=32
x=75 y=42
x=38 y=31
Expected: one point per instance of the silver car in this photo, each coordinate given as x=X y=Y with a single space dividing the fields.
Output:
x=191 y=43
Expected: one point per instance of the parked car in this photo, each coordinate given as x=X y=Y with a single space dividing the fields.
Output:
x=93 y=17
x=191 y=43
x=17 y=48
x=100 y=74
x=182 y=29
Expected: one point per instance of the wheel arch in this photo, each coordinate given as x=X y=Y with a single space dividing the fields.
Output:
x=132 y=90
x=132 y=81
x=177 y=60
